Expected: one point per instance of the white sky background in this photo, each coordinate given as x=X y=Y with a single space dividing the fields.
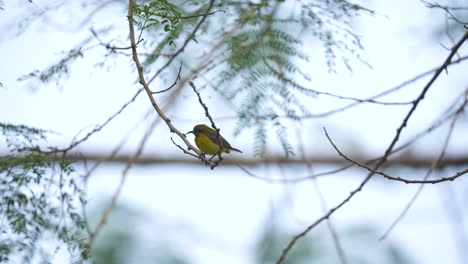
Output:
x=225 y=204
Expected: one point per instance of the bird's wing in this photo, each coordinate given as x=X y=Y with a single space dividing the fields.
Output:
x=224 y=142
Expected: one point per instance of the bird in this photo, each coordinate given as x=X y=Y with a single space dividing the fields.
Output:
x=208 y=140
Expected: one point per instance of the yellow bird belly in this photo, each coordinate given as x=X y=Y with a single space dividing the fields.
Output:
x=206 y=145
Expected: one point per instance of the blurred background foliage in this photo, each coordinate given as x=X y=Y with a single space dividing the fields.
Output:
x=131 y=236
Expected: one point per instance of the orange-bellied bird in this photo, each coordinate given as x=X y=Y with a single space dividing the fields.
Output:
x=208 y=141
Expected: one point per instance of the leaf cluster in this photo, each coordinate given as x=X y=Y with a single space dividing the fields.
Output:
x=161 y=14
x=55 y=71
x=37 y=194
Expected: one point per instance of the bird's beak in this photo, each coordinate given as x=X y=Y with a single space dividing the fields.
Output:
x=190 y=132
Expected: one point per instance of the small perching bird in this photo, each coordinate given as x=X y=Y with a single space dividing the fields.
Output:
x=209 y=142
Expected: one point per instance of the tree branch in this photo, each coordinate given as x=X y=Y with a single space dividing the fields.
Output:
x=429 y=172
x=386 y=154
x=142 y=80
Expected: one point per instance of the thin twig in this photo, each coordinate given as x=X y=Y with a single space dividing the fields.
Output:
x=391 y=90
x=315 y=92
x=213 y=125
x=117 y=191
x=354 y=104
x=108 y=45
x=197 y=15
x=207 y=113
x=448 y=10
x=390 y=177
x=336 y=240
x=175 y=82
x=116 y=149
x=99 y=127
x=294 y=180
x=189 y=153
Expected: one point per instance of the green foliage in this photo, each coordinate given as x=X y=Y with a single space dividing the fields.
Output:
x=367 y=248
x=282 y=135
x=159 y=13
x=166 y=23
x=55 y=71
x=37 y=194
x=260 y=139
x=271 y=243
x=121 y=240
x=167 y=40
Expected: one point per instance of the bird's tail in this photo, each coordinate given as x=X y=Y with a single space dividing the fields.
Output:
x=234 y=149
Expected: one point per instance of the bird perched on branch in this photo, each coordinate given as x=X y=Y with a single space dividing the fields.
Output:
x=209 y=142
